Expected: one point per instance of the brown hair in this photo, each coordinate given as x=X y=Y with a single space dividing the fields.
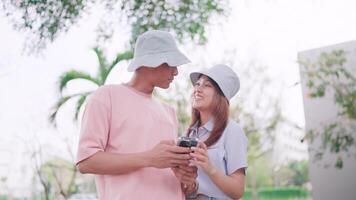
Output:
x=220 y=112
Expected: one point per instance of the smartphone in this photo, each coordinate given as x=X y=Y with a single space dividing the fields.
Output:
x=187 y=142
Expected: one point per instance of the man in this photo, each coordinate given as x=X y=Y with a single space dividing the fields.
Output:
x=127 y=135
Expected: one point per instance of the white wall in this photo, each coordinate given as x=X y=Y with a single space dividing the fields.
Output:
x=328 y=183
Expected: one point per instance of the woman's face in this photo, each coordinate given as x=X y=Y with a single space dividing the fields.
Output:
x=203 y=94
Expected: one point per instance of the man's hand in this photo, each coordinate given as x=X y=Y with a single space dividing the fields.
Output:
x=166 y=154
x=187 y=176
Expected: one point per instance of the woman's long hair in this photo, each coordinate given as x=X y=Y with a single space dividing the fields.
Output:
x=220 y=110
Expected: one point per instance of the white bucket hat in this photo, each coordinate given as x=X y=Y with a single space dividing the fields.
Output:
x=224 y=76
x=154 y=48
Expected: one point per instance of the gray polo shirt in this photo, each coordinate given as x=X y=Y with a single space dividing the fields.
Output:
x=228 y=154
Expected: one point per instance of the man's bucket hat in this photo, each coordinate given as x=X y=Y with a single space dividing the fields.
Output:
x=154 y=48
x=224 y=76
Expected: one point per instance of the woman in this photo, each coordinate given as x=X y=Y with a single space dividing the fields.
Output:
x=221 y=156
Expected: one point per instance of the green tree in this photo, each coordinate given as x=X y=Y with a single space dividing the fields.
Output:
x=300 y=173
x=259 y=131
x=294 y=173
x=259 y=113
x=39 y=173
x=46 y=20
x=61 y=175
x=104 y=69
x=259 y=174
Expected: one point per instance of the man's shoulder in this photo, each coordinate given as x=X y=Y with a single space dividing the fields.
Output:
x=104 y=93
x=110 y=87
x=106 y=90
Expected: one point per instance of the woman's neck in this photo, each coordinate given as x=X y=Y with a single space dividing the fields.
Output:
x=204 y=117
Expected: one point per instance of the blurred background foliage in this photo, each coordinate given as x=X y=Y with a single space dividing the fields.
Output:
x=46 y=20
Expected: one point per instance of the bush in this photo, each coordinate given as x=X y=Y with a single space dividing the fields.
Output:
x=285 y=193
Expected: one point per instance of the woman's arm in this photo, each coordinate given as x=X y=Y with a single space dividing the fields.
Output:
x=232 y=185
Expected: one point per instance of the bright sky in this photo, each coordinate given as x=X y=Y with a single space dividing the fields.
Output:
x=269 y=32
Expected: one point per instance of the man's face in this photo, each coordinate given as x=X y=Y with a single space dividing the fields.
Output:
x=164 y=75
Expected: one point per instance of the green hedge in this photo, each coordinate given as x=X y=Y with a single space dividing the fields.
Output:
x=285 y=193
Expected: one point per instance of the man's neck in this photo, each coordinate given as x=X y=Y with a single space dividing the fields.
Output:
x=140 y=84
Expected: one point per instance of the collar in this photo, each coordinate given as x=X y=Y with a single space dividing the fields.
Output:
x=207 y=126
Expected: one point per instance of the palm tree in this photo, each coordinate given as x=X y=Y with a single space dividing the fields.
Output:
x=99 y=80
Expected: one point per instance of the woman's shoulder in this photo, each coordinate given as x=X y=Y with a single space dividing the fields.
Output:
x=234 y=129
x=233 y=125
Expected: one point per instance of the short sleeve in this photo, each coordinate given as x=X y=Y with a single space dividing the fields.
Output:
x=235 y=148
x=95 y=126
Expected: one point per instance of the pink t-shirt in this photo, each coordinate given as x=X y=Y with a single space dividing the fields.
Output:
x=120 y=119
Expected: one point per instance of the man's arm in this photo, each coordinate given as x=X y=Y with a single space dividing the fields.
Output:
x=163 y=155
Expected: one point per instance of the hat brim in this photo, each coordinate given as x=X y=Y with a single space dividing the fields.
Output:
x=194 y=76
x=173 y=58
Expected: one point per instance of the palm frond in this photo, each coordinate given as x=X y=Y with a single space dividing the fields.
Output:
x=103 y=64
x=80 y=103
x=74 y=74
x=57 y=106
x=127 y=55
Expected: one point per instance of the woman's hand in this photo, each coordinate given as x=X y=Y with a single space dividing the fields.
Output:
x=200 y=157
